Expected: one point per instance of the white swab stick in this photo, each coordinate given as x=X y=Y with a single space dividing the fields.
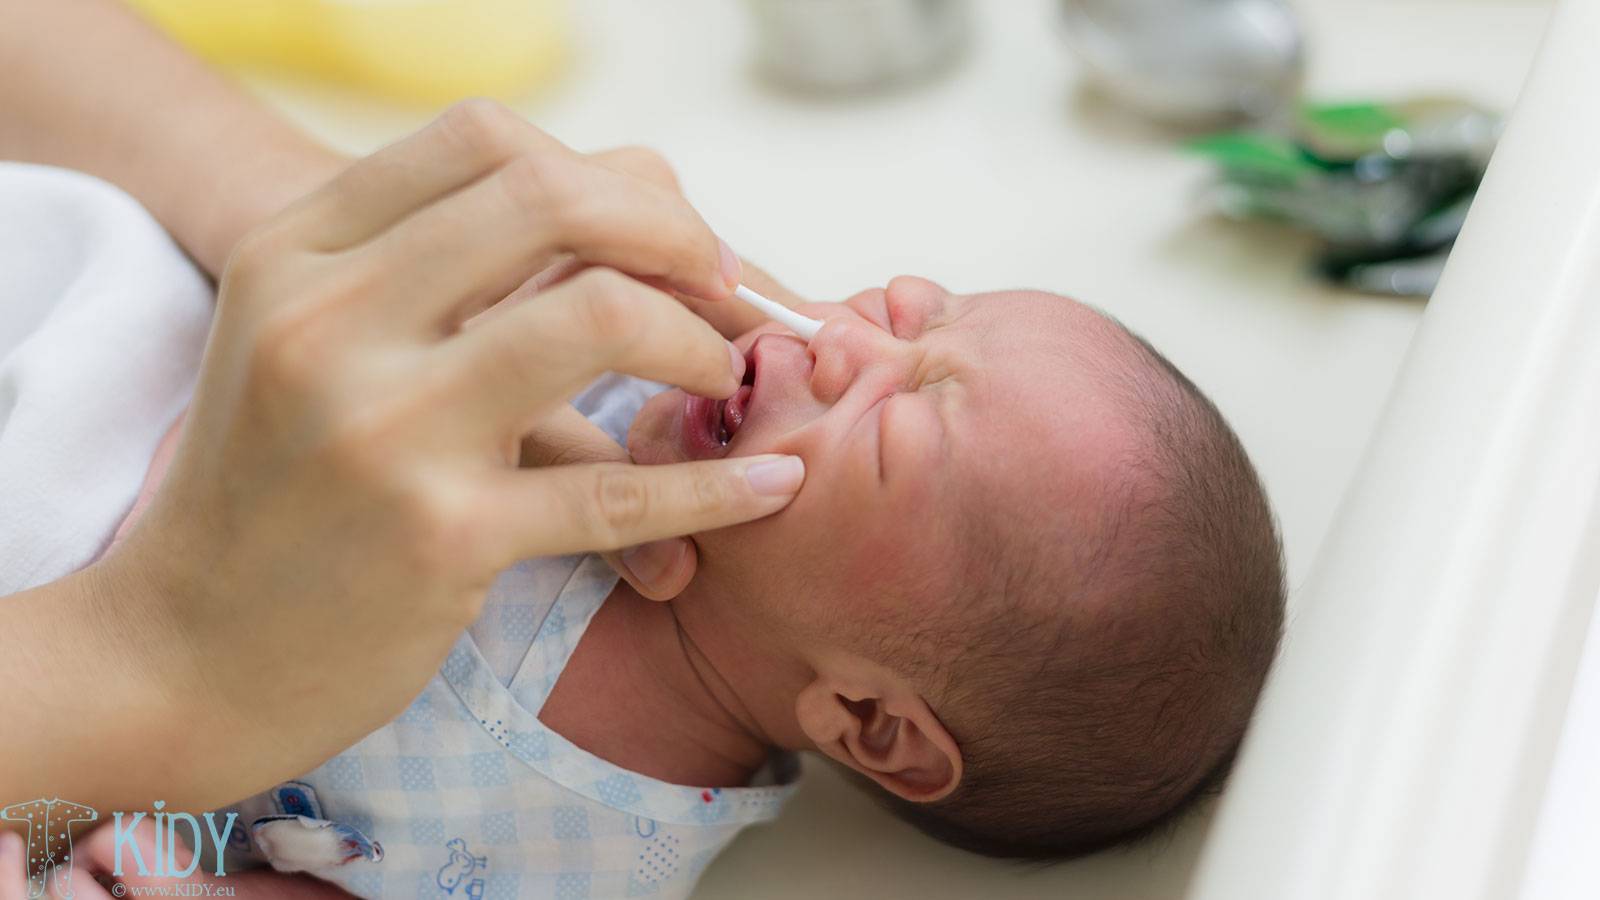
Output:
x=807 y=328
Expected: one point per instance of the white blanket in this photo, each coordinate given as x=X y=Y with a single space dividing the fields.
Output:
x=102 y=324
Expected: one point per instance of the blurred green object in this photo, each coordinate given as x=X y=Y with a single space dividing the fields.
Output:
x=1386 y=185
x=1265 y=156
x=1358 y=127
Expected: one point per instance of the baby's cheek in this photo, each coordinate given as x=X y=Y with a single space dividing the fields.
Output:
x=902 y=561
x=866 y=551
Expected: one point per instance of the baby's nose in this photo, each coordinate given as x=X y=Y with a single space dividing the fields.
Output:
x=843 y=349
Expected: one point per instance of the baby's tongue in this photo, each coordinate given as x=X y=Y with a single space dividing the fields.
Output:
x=733 y=411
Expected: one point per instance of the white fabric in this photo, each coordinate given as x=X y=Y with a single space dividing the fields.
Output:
x=466 y=794
x=102 y=322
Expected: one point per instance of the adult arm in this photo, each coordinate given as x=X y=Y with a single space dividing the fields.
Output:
x=95 y=88
x=89 y=85
x=347 y=485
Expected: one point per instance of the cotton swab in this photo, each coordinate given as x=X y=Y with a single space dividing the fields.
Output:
x=807 y=328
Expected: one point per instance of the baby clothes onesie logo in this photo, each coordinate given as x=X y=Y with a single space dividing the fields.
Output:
x=49 y=840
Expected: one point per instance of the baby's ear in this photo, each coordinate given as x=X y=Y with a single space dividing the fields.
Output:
x=882 y=728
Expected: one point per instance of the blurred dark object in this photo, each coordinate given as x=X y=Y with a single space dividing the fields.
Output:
x=1387 y=186
x=1190 y=61
x=852 y=45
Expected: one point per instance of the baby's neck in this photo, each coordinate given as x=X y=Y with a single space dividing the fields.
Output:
x=638 y=693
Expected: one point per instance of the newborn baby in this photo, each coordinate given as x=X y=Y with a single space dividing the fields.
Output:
x=1030 y=590
x=1031 y=587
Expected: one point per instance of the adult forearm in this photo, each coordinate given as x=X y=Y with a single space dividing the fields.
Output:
x=90 y=86
x=104 y=707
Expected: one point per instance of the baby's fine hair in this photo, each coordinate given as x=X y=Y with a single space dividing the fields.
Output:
x=1102 y=688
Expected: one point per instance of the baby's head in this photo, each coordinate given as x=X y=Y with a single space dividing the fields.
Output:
x=1031 y=586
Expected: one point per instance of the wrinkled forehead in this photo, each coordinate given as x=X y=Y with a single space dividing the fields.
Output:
x=1043 y=420
x=1047 y=359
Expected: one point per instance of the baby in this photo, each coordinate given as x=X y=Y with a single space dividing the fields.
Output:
x=1032 y=585
x=1030 y=590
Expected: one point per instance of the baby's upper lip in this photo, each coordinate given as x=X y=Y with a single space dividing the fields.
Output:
x=765 y=362
x=767 y=366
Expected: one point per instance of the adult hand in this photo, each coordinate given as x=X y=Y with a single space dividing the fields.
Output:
x=659 y=570
x=730 y=319
x=347 y=485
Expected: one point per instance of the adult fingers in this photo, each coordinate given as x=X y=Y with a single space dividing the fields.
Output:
x=647 y=164
x=734 y=319
x=13 y=877
x=466 y=142
x=659 y=570
x=729 y=319
x=479 y=243
x=564 y=438
x=512 y=370
x=643 y=163
x=562 y=269
x=639 y=162
x=606 y=506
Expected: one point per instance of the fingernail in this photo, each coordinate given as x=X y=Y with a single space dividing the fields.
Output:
x=10 y=844
x=777 y=476
x=732 y=270
x=648 y=562
x=736 y=362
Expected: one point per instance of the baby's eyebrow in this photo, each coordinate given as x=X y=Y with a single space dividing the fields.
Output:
x=955 y=307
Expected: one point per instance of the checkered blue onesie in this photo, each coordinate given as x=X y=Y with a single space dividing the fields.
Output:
x=468 y=795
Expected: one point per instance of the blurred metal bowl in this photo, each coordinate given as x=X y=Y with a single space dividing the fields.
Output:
x=841 y=45
x=1190 y=61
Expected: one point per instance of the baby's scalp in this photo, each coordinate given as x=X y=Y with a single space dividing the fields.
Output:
x=1080 y=578
x=1119 y=600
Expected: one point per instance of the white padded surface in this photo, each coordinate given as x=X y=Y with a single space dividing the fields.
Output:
x=1404 y=745
x=1000 y=175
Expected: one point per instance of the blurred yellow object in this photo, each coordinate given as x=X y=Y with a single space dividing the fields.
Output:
x=419 y=51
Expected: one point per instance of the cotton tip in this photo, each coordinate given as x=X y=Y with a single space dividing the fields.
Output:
x=806 y=327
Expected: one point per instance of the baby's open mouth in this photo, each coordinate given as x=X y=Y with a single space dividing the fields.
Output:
x=731 y=413
x=708 y=425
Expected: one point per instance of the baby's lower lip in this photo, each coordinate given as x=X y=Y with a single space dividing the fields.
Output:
x=707 y=423
x=701 y=418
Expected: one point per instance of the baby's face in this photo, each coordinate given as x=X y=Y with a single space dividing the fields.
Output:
x=930 y=424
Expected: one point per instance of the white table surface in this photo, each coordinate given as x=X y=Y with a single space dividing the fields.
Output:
x=1002 y=174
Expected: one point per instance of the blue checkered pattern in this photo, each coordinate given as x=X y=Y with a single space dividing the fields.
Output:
x=470 y=795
